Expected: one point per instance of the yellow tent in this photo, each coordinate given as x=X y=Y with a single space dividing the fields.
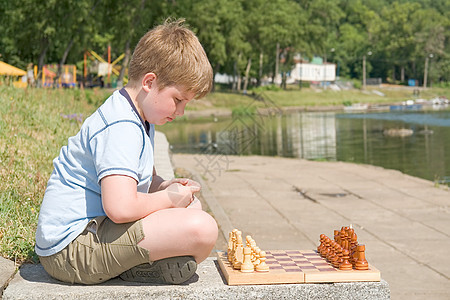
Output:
x=6 y=69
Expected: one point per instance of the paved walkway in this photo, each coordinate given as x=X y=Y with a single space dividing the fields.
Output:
x=287 y=203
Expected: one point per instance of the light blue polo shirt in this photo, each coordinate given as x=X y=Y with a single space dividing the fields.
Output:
x=112 y=141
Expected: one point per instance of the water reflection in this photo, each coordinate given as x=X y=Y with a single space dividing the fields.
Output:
x=360 y=138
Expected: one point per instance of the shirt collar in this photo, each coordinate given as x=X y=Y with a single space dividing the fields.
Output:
x=124 y=93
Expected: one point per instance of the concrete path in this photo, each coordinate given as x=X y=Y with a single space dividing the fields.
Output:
x=287 y=203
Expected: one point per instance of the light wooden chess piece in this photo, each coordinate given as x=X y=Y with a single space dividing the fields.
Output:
x=262 y=266
x=238 y=257
x=248 y=240
x=255 y=256
x=247 y=266
x=230 y=247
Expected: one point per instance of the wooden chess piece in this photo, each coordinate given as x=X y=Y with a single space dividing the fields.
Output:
x=336 y=236
x=248 y=240
x=336 y=260
x=333 y=255
x=322 y=243
x=262 y=266
x=345 y=265
x=247 y=266
x=361 y=262
x=327 y=250
x=230 y=247
x=342 y=237
x=353 y=249
x=238 y=257
x=255 y=256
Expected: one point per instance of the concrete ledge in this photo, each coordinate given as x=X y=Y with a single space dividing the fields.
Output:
x=163 y=165
x=32 y=282
x=7 y=270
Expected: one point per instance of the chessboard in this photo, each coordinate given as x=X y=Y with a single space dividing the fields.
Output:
x=294 y=266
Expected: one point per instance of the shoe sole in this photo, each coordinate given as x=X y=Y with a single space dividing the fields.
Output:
x=172 y=270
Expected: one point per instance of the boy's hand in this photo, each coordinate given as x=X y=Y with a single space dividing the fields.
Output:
x=183 y=181
x=182 y=195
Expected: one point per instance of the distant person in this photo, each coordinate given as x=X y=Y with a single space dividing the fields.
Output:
x=30 y=75
x=105 y=211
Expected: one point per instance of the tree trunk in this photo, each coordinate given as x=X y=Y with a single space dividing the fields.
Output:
x=247 y=71
x=239 y=82
x=277 y=58
x=126 y=59
x=63 y=58
x=233 y=86
x=70 y=44
x=216 y=70
x=45 y=45
x=260 y=68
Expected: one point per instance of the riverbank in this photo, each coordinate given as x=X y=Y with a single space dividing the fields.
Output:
x=220 y=104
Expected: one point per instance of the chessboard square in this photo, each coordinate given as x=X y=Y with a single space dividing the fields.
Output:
x=297 y=256
x=276 y=268
x=322 y=264
x=284 y=259
x=318 y=261
x=292 y=270
x=327 y=269
x=279 y=254
x=310 y=254
x=300 y=260
x=290 y=264
x=292 y=251
x=307 y=267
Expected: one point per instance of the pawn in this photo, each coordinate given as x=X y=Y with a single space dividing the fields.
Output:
x=230 y=247
x=336 y=260
x=361 y=262
x=247 y=266
x=256 y=254
x=262 y=266
x=322 y=243
x=345 y=265
x=248 y=240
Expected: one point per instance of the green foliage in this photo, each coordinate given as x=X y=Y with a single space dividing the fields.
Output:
x=398 y=34
x=33 y=127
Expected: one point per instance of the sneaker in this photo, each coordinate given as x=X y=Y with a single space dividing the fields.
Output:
x=172 y=270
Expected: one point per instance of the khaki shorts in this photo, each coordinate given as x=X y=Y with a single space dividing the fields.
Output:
x=102 y=251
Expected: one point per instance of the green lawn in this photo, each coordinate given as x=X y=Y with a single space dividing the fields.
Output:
x=34 y=124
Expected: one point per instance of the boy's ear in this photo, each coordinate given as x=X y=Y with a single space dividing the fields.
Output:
x=148 y=80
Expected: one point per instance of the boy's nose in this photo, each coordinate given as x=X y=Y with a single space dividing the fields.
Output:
x=179 y=111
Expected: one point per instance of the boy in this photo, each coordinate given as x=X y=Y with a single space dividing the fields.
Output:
x=105 y=211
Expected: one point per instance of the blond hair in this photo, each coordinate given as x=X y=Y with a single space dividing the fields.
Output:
x=175 y=55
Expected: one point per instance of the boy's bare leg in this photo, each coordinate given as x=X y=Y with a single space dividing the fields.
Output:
x=179 y=232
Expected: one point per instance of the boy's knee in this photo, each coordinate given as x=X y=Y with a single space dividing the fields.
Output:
x=203 y=228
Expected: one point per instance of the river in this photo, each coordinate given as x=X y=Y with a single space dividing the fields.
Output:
x=413 y=142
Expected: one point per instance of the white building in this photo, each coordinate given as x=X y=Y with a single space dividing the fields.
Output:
x=314 y=72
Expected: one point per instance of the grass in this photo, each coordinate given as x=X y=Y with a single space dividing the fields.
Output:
x=34 y=124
